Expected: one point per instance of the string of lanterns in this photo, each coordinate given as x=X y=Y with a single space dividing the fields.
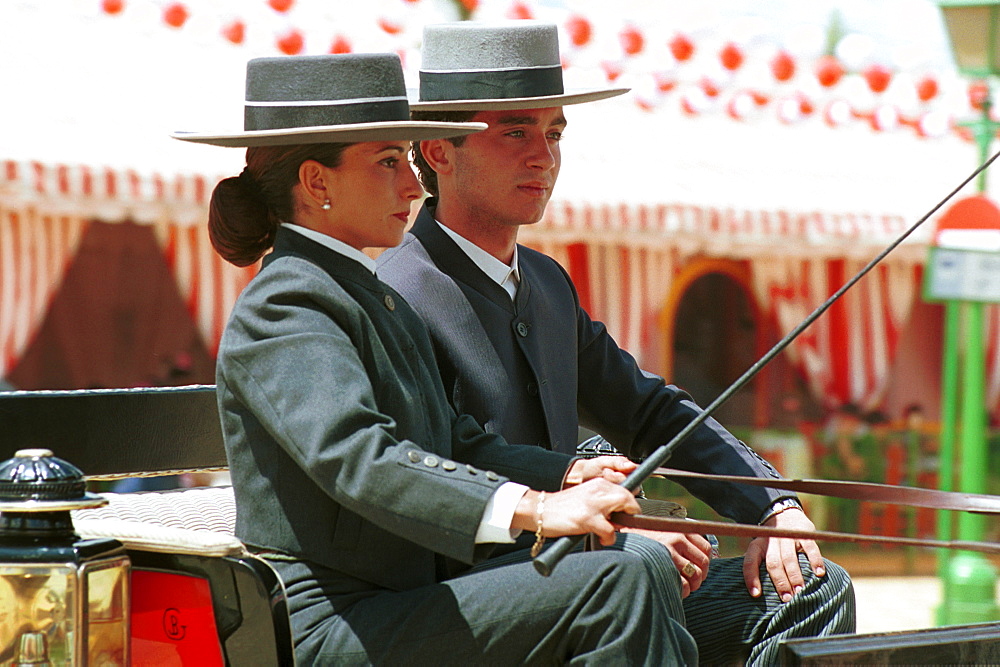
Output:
x=796 y=89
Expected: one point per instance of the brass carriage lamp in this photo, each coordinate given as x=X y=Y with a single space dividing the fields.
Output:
x=63 y=600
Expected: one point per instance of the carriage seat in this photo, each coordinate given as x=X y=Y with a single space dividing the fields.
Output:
x=196 y=521
x=192 y=575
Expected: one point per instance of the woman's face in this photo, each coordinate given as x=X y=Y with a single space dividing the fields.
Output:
x=371 y=193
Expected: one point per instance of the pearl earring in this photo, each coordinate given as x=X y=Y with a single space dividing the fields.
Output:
x=326 y=205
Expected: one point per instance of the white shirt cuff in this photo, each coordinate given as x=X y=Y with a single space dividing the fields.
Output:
x=495 y=526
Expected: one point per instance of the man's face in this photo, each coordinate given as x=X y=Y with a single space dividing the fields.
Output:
x=506 y=173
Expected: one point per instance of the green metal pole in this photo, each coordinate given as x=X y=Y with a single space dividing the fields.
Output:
x=970 y=581
x=949 y=412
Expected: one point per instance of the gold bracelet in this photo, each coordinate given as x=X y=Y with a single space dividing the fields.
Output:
x=536 y=548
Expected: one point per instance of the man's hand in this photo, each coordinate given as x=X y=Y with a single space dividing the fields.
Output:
x=685 y=550
x=782 y=556
x=612 y=468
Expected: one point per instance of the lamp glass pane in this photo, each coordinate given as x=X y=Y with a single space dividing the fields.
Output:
x=970 y=31
x=107 y=611
x=38 y=613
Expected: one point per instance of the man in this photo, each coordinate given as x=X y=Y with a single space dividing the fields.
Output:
x=518 y=353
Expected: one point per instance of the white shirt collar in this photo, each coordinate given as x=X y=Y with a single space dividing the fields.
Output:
x=333 y=244
x=497 y=271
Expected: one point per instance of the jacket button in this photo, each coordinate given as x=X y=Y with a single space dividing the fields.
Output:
x=522 y=329
x=449 y=465
x=532 y=389
x=472 y=469
x=431 y=462
x=414 y=456
x=389 y=303
x=492 y=476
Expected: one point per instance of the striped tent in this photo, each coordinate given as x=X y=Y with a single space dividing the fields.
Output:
x=646 y=191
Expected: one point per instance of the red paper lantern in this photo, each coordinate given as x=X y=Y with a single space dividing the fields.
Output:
x=175 y=15
x=878 y=78
x=885 y=118
x=291 y=42
x=681 y=47
x=340 y=45
x=643 y=103
x=694 y=102
x=979 y=93
x=927 y=89
x=759 y=98
x=470 y=5
x=579 y=30
x=519 y=11
x=631 y=40
x=612 y=69
x=389 y=26
x=806 y=106
x=933 y=124
x=837 y=113
x=235 y=31
x=790 y=110
x=112 y=6
x=709 y=87
x=829 y=71
x=664 y=82
x=740 y=106
x=783 y=66
x=281 y=5
x=731 y=57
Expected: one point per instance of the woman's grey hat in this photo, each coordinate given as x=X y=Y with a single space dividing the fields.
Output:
x=325 y=99
x=496 y=66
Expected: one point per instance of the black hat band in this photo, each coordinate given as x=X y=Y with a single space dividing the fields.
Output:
x=257 y=117
x=491 y=85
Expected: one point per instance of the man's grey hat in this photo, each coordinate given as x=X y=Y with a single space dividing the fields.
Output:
x=495 y=66
x=326 y=99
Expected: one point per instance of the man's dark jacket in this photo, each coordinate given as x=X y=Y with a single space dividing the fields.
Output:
x=534 y=369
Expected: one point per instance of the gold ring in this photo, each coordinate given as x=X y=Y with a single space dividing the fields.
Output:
x=689 y=570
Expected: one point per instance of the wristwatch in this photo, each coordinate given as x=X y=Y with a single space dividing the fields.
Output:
x=778 y=507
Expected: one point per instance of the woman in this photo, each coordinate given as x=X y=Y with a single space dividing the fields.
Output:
x=352 y=476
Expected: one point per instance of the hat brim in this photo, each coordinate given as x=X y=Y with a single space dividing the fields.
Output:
x=506 y=104
x=408 y=130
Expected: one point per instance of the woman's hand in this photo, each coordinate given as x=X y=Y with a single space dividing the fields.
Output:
x=582 y=509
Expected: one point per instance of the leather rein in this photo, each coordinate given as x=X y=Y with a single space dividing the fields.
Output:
x=865 y=491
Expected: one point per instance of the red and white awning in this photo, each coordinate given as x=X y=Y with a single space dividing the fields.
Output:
x=724 y=232
x=40 y=233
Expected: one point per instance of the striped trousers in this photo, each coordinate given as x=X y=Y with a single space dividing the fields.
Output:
x=728 y=626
